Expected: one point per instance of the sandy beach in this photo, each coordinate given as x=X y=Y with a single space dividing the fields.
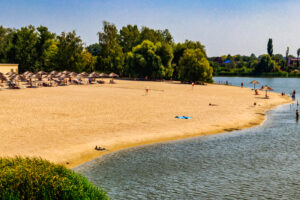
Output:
x=64 y=124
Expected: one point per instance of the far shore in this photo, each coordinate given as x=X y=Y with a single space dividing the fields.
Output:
x=64 y=124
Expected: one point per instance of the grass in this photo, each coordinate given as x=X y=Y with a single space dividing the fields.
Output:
x=35 y=178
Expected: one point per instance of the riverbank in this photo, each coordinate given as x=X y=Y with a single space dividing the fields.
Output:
x=64 y=124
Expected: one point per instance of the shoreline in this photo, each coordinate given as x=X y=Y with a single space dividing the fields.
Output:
x=64 y=124
x=251 y=124
x=95 y=155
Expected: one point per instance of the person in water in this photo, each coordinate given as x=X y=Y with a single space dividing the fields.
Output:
x=297 y=114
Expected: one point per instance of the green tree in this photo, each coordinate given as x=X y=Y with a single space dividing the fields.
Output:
x=266 y=64
x=194 y=66
x=3 y=44
x=270 y=47
x=179 y=49
x=152 y=60
x=111 y=57
x=298 y=54
x=94 y=49
x=69 y=52
x=129 y=37
x=43 y=45
x=23 y=48
x=156 y=35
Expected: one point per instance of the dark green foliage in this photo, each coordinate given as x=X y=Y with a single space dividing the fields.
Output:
x=270 y=47
x=23 y=48
x=194 y=66
x=94 y=49
x=69 y=52
x=266 y=64
x=24 y=178
x=111 y=57
x=129 y=37
x=152 y=60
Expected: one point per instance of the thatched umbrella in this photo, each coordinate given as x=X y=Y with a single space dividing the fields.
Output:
x=27 y=72
x=54 y=73
x=35 y=76
x=84 y=74
x=41 y=73
x=66 y=72
x=266 y=88
x=254 y=82
x=73 y=74
x=64 y=76
x=10 y=73
x=3 y=78
x=19 y=78
x=103 y=75
x=94 y=75
x=113 y=75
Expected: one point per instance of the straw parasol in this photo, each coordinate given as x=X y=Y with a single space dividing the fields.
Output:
x=54 y=73
x=66 y=72
x=113 y=75
x=42 y=73
x=73 y=74
x=35 y=76
x=103 y=75
x=84 y=74
x=94 y=75
x=266 y=88
x=254 y=82
x=10 y=73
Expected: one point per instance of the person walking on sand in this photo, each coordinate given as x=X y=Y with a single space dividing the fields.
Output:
x=193 y=84
x=147 y=90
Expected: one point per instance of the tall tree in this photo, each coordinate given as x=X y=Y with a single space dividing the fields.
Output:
x=270 y=47
x=298 y=54
x=129 y=37
x=194 y=66
x=69 y=52
x=43 y=45
x=287 y=58
x=152 y=60
x=266 y=64
x=23 y=48
x=3 y=44
x=111 y=57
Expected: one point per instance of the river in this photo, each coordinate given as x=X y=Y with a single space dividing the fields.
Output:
x=256 y=163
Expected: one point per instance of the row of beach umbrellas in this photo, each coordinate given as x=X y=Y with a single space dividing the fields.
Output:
x=11 y=76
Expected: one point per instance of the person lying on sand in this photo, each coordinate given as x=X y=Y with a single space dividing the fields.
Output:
x=99 y=148
x=211 y=104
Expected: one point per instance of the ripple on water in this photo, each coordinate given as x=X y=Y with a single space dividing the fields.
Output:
x=256 y=163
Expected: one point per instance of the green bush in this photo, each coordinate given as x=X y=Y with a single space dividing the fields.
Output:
x=34 y=178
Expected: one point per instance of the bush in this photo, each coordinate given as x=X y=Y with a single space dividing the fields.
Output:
x=33 y=178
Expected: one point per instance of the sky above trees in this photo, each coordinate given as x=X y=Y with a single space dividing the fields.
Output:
x=223 y=26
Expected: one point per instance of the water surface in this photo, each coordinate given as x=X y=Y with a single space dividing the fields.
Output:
x=256 y=163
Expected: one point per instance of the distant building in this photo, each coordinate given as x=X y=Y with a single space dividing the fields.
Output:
x=4 y=68
x=293 y=61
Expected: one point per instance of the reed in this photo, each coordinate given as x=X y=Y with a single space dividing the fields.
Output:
x=35 y=178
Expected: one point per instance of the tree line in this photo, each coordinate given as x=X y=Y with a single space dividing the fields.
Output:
x=131 y=52
x=269 y=64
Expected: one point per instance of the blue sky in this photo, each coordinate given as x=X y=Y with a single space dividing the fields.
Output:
x=223 y=26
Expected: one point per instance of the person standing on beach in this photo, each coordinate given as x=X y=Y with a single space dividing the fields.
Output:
x=242 y=84
x=193 y=84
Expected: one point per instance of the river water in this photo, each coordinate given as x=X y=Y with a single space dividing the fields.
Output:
x=256 y=163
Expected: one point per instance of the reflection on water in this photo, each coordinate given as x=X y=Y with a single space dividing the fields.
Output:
x=261 y=162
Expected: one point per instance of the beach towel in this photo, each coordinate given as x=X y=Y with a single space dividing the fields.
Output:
x=182 y=117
